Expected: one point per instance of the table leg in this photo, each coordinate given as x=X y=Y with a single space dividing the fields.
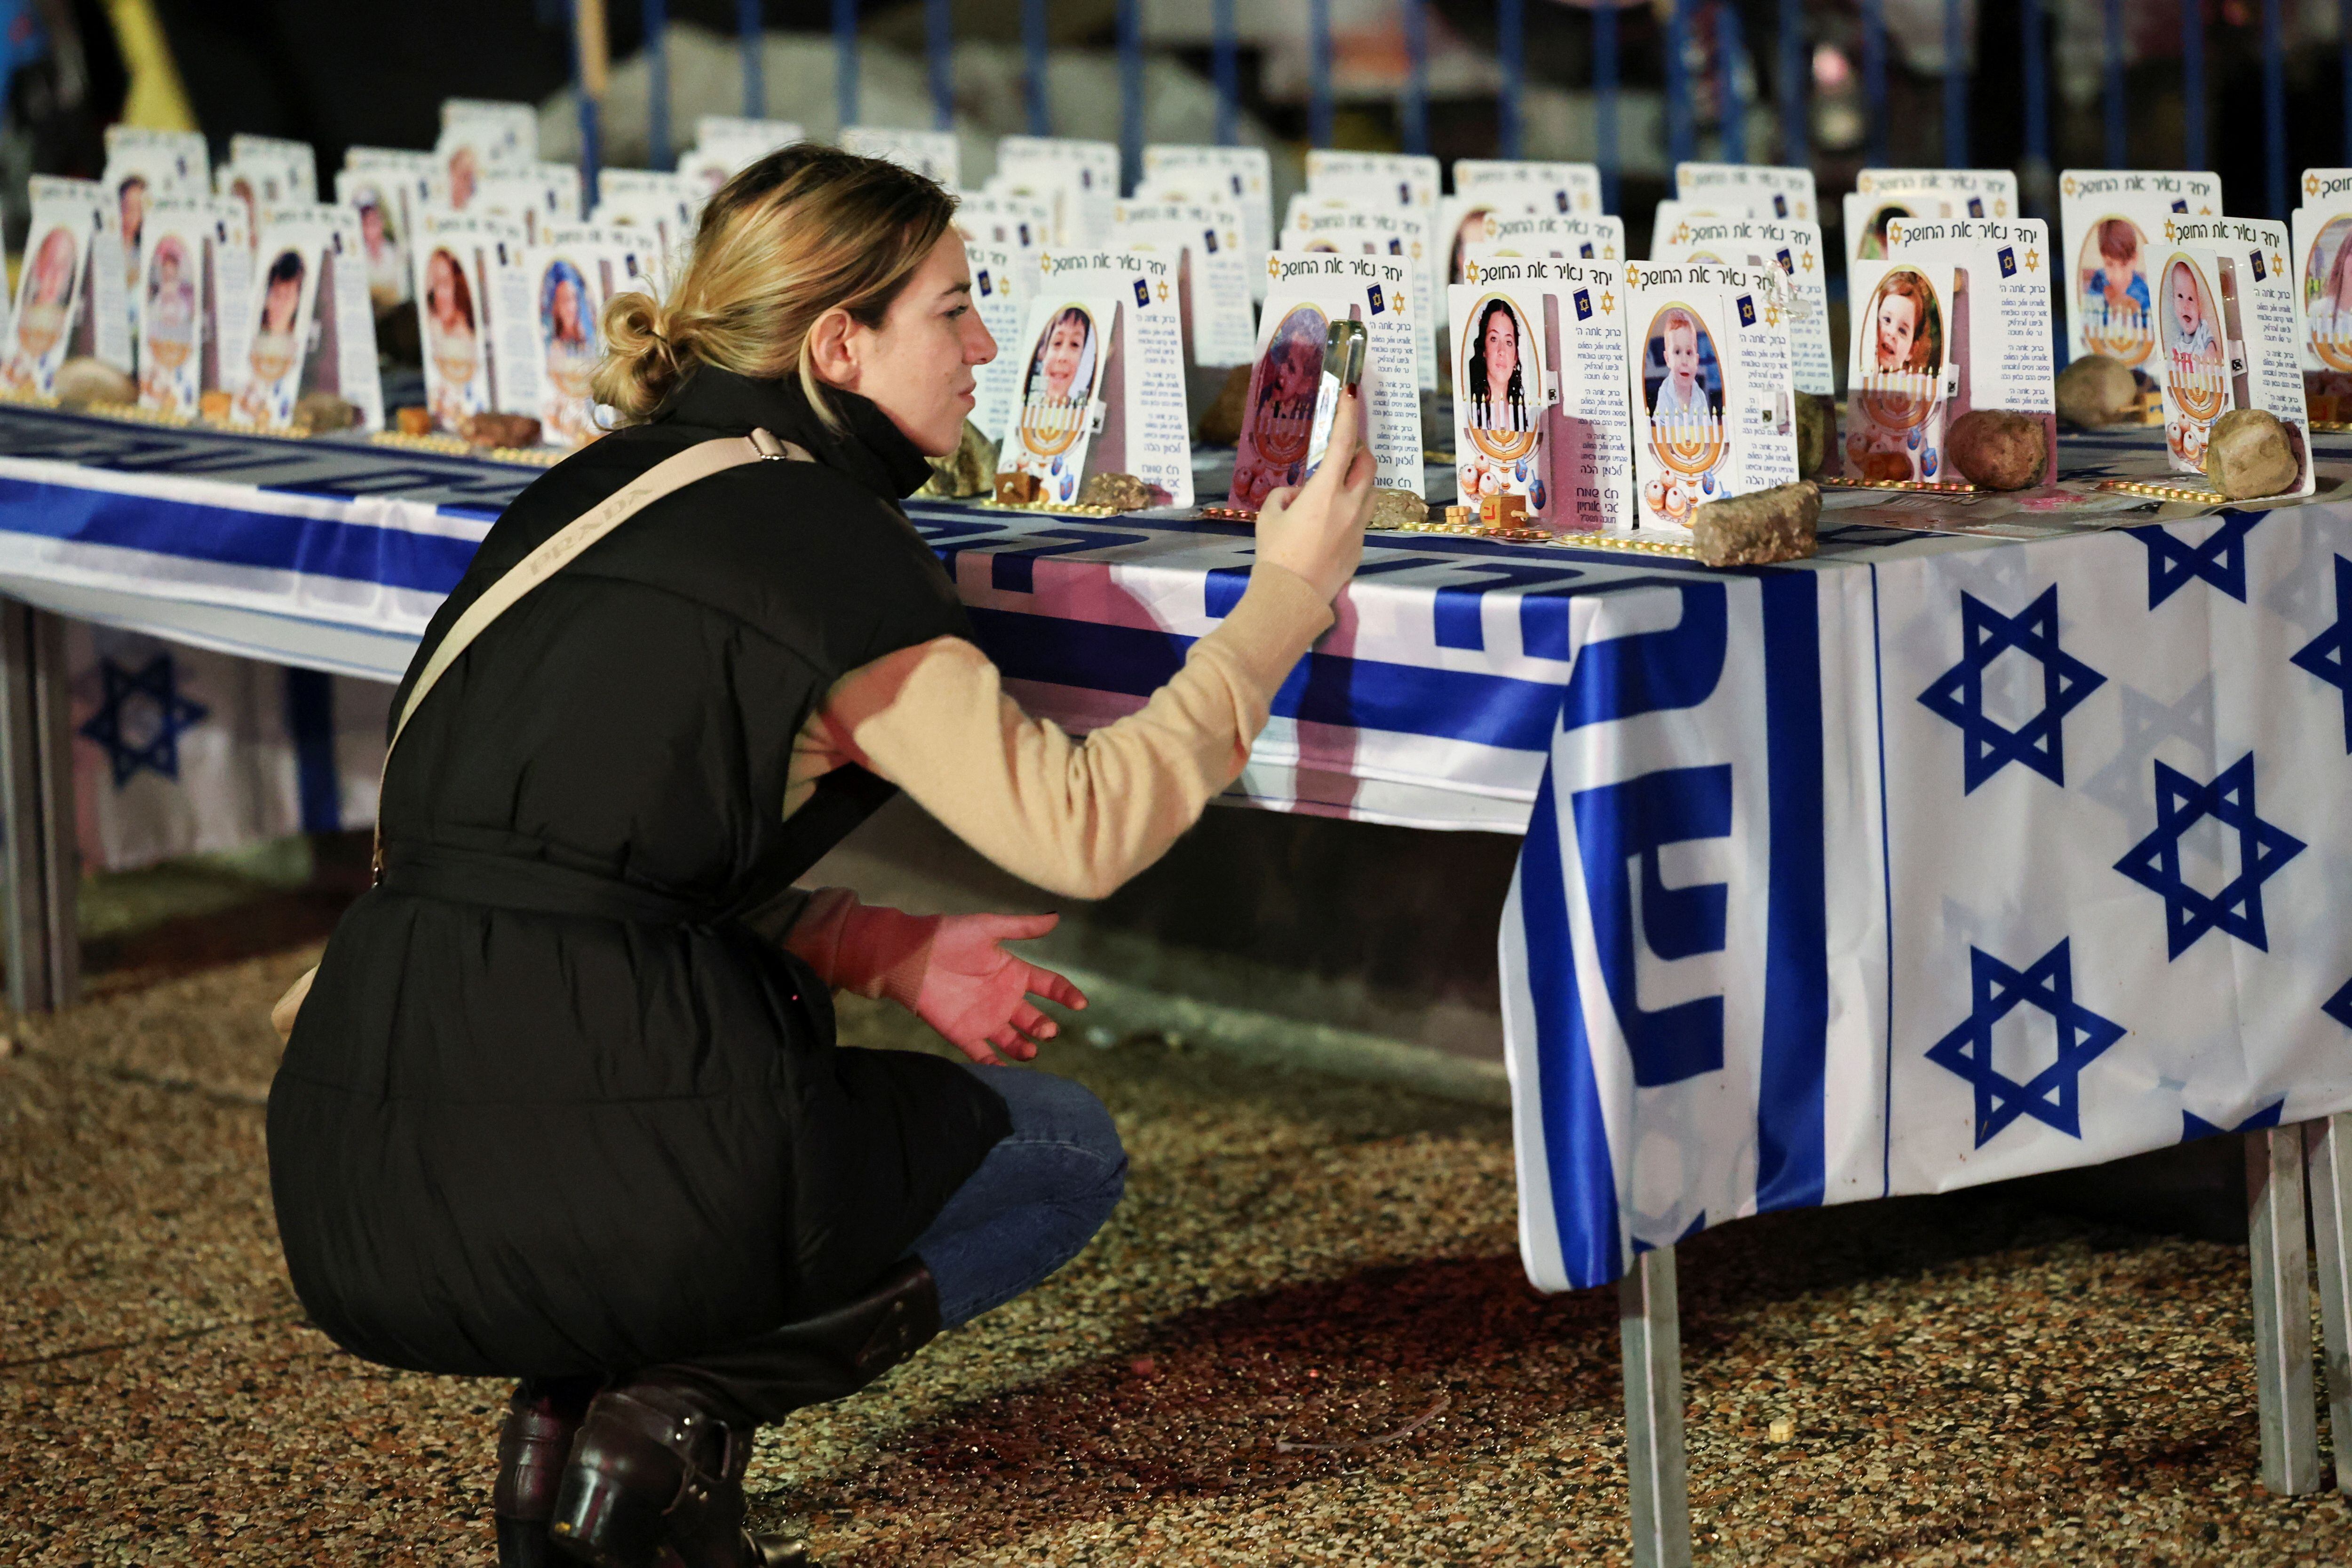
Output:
x=1649 y=1326
x=2327 y=1145
x=2282 y=1311
x=36 y=812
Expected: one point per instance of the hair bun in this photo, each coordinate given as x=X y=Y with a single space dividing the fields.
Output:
x=640 y=366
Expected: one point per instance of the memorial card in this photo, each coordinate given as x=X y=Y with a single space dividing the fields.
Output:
x=289 y=170
x=1002 y=283
x=2001 y=326
x=1215 y=271
x=1584 y=236
x=49 y=285
x=503 y=133
x=2109 y=223
x=1791 y=247
x=2321 y=226
x=1063 y=352
x=936 y=156
x=405 y=176
x=2196 y=370
x=1305 y=293
x=309 y=267
x=1240 y=176
x=376 y=196
x=1900 y=372
x=268 y=382
x=568 y=279
x=455 y=256
x=733 y=143
x=1560 y=188
x=1881 y=195
x=536 y=198
x=2246 y=269
x=1710 y=386
x=1503 y=396
x=1356 y=226
x=172 y=297
x=1761 y=190
x=1590 y=435
x=1079 y=180
x=1397 y=182
x=143 y=168
x=1020 y=224
x=653 y=200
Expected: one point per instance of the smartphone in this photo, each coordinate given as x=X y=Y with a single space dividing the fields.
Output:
x=1344 y=348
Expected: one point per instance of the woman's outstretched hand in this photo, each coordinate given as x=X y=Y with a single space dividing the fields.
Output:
x=976 y=995
x=1317 y=530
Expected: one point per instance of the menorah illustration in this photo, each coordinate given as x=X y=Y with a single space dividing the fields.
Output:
x=2333 y=343
x=2198 y=382
x=1504 y=445
x=2119 y=331
x=273 y=356
x=1283 y=430
x=1688 y=444
x=457 y=356
x=1899 y=399
x=569 y=372
x=1049 y=424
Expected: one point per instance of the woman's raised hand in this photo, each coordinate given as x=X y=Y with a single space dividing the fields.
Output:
x=1317 y=530
x=976 y=995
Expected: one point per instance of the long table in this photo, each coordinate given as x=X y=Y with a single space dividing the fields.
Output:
x=1936 y=859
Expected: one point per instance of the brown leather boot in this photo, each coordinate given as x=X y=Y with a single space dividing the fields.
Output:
x=534 y=1445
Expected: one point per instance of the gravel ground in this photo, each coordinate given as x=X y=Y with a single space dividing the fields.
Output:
x=1299 y=1261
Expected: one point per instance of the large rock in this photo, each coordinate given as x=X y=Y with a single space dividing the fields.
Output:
x=1220 y=421
x=505 y=430
x=323 y=413
x=969 y=470
x=1816 y=433
x=1121 y=493
x=1997 y=449
x=1397 y=508
x=1758 y=528
x=2097 y=391
x=2251 y=453
x=84 y=381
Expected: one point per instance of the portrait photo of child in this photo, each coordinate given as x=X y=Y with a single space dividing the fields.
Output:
x=2327 y=294
x=1907 y=326
x=167 y=377
x=46 y=292
x=567 y=338
x=1278 y=419
x=1894 y=409
x=1681 y=375
x=1059 y=383
x=2116 y=302
x=274 y=364
x=2196 y=379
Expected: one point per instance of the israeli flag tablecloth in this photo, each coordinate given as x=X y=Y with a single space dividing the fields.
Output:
x=1932 y=861
x=1959 y=864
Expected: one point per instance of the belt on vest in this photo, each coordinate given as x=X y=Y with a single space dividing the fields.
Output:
x=506 y=882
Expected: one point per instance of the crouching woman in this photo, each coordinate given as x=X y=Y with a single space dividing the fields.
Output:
x=563 y=1103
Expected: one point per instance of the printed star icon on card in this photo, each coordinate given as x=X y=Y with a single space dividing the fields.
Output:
x=1163 y=290
x=1608 y=301
x=2310 y=184
x=2032 y=260
x=2071 y=186
x=1273 y=268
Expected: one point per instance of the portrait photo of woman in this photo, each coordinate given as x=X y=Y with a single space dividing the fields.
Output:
x=1278 y=421
x=453 y=350
x=1498 y=371
x=566 y=310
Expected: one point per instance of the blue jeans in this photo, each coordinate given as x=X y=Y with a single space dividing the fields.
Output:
x=1037 y=1198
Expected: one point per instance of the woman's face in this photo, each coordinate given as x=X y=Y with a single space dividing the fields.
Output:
x=2188 y=309
x=917 y=365
x=1502 y=351
x=1066 y=346
x=441 y=288
x=277 y=308
x=567 y=308
x=1898 y=326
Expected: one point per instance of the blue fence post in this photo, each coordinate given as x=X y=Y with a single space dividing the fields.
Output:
x=844 y=60
x=655 y=16
x=748 y=33
x=1874 y=79
x=2111 y=58
x=1034 y=84
x=1956 y=85
x=1604 y=100
x=590 y=94
x=1682 y=131
x=1511 y=44
x=1416 y=75
x=1794 y=143
x=1318 y=104
x=939 y=47
x=1730 y=49
x=1226 y=48
x=1130 y=90
x=2037 y=89
x=2192 y=84
x=2274 y=108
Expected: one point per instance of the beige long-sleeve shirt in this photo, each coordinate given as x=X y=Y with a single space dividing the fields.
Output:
x=1075 y=816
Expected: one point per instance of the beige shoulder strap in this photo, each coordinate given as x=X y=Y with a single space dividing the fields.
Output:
x=671 y=474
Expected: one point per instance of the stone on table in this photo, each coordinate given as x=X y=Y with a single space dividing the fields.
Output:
x=319 y=412
x=1758 y=528
x=82 y=381
x=1397 y=508
x=2097 y=391
x=1998 y=449
x=1816 y=433
x=2251 y=453
x=1121 y=493
x=1220 y=421
x=500 y=430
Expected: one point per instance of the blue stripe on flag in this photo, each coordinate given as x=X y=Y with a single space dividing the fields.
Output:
x=1648 y=672
x=1575 y=1137
x=311 y=721
x=229 y=535
x=1790 y=1158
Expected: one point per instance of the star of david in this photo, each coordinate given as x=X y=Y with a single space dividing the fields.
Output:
x=1808 y=259
x=2169 y=232
x=2050 y=1096
x=2311 y=185
x=1397 y=301
x=1632 y=278
x=1958 y=694
x=2278 y=262
x=2032 y=259
x=1416 y=250
x=1273 y=268
x=146 y=735
x=2220 y=560
x=2071 y=186
x=1163 y=290
x=2262 y=849
x=1045 y=262
x=2205 y=211
x=1470 y=271
x=2339 y=1007
x=1608 y=302
x=2001 y=206
x=2329 y=655
x=1682 y=234
x=1772 y=315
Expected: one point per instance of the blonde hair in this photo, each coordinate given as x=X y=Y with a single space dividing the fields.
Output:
x=802 y=231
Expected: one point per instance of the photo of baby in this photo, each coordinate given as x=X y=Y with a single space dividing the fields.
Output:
x=1907 y=326
x=1496 y=372
x=1894 y=410
x=2117 y=306
x=453 y=346
x=166 y=379
x=275 y=364
x=567 y=309
x=45 y=304
x=2327 y=294
x=1680 y=376
x=2196 y=381
x=1279 y=420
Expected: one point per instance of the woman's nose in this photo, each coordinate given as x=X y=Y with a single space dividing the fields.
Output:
x=978 y=346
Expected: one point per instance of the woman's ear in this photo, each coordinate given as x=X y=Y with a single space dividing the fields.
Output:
x=833 y=350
